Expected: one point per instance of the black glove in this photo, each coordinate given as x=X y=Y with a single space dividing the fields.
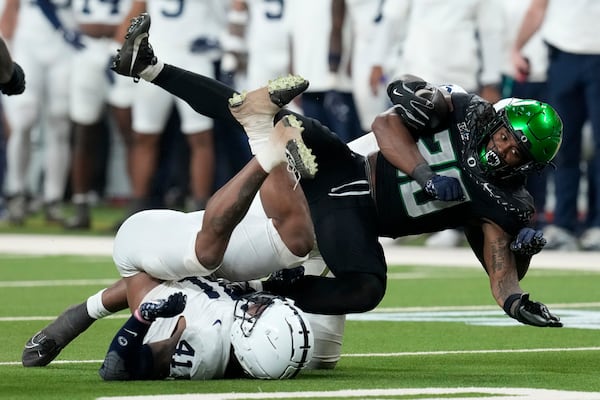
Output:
x=421 y=106
x=236 y=288
x=173 y=305
x=445 y=188
x=531 y=312
x=16 y=84
x=528 y=242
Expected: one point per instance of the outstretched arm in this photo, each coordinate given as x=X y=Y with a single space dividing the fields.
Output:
x=503 y=266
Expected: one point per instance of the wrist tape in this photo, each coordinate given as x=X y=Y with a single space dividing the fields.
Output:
x=422 y=173
x=509 y=302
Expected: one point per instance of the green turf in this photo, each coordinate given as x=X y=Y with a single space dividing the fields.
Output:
x=366 y=364
x=104 y=220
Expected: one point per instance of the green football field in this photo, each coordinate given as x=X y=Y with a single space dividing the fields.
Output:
x=437 y=334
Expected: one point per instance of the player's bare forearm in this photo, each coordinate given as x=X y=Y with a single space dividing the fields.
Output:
x=224 y=211
x=500 y=263
x=395 y=142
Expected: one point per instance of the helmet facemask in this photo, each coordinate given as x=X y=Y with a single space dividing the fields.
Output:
x=271 y=337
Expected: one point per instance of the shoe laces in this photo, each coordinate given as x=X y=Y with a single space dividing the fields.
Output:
x=291 y=167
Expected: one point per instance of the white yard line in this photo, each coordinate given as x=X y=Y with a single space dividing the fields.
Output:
x=395 y=253
x=399 y=354
x=435 y=393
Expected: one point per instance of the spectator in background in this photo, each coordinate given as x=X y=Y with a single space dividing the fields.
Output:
x=45 y=54
x=187 y=36
x=362 y=18
x=570 y=30
x=12 y=81
x=530 y=84
x=93 y=87
x=458 y=42
x=258 y=42
x=329 y=96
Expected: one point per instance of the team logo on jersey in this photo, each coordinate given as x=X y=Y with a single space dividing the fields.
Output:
x=465 y=134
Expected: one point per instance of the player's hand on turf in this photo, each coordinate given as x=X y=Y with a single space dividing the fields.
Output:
x=173 y=305
x=445 y=188
x=535 y=313
x=528 y=242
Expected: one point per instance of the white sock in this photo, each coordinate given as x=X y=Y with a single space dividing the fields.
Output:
x=151 y=71
x=95 y=308
x=266 y=154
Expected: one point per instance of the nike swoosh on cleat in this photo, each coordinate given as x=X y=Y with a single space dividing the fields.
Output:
x=32 y=344
x=217 y=322
x=136 y=48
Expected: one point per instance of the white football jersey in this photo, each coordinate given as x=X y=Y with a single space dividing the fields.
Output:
x=176 y=25
x=310 y=44
x=204 y=348
x=101 y=11
x=441 y=44
x=30 y=15
x=267 y=41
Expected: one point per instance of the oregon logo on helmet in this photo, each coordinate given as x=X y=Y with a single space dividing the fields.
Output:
x=538 y=127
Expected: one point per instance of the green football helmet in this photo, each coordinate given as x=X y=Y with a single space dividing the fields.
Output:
x=537 y=129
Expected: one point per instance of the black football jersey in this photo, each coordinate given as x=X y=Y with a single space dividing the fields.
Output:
x=403 y=207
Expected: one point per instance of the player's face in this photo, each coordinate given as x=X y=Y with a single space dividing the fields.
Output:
x=505 y=145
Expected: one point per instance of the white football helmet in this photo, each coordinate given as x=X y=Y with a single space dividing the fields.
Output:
x=271 y=337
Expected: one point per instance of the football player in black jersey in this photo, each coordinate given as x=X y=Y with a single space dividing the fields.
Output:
x=442 y=161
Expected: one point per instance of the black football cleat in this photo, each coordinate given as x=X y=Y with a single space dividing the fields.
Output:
x=136 y=53
x=46 y=344
x=40 y=350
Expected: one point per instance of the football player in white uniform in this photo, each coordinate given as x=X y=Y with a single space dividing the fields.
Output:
x=362 y=17
x=186 y=32
x=93 y=86
x=329 y=98
x=169 y=245
x=258 y=32
x=199 y=330
x=46 y=56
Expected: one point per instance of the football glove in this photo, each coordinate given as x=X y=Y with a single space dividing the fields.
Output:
x=421 y=106
x=173 y=305
x=528 y=242
x=236 y=288
x=531 y=312
x=445 y=188
x=16 y=84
